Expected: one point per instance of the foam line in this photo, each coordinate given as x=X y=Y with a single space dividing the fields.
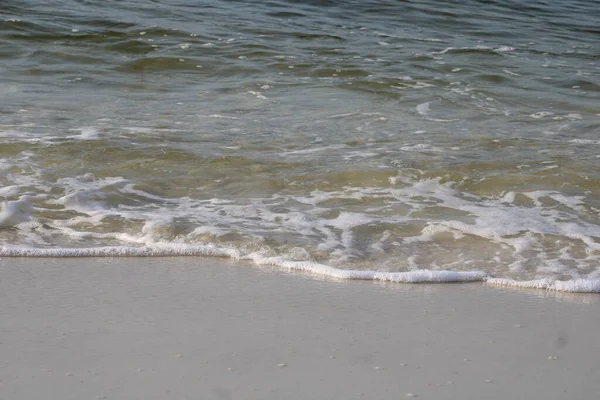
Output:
x=575 y=285
x=417 y=276
x=157 y=250
x=420 y=276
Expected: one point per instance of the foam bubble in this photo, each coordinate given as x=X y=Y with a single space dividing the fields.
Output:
x=574 y=116
x=504 y=49
x=16 y=212
x=155 y=250
x=575 y=286
x=541 y=114
x=584 y=141
x=87 y=133
x=510 y=72
x=424 y=109
x=420 y=276
x=422 y=147
x=257 y=94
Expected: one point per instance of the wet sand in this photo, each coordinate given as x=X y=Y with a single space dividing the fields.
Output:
x=205 y=328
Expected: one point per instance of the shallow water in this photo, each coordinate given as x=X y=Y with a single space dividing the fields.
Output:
x=358 y=139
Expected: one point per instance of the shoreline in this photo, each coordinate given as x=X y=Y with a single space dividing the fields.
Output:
x=581 y=285
x=186 y=327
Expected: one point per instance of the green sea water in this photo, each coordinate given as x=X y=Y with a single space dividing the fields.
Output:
x=381 y=136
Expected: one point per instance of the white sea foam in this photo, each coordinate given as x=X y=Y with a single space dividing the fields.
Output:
x=541 y=114
x=155 y=250
x=5 y=164
x=584 y=141
x=504 y=49
x=574 y=116
x=16 y=212
x=420 y=276
x=425 y=108
x=411 y=84
x=173 y=249
x=87 y=133
x=575 y=285
x=359 y=154
x=427 y=39
x=416 y=276
x=510 y=72
x=422 y=147
x=221 y=116
x=501 y=49
x=313 y=150
x=258 y=229
x=257 y=94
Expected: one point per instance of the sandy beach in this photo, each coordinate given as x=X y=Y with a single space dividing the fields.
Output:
x=206 y=328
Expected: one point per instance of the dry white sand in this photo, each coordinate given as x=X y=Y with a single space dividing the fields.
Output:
x=192 y=328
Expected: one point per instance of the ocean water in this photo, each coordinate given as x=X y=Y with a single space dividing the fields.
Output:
x=406 y=141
